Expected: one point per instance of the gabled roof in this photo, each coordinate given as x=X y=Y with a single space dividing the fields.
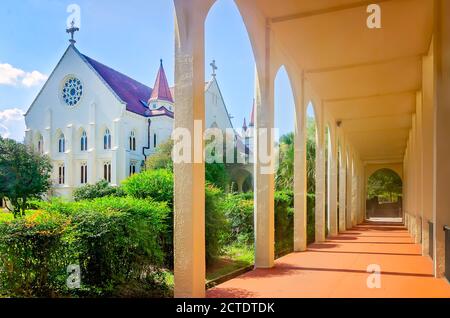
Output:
x=161 y=89
x=130 y=91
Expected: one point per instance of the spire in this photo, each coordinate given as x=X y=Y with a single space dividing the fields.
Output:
x=244 y=126
x=161 y=90
x=252 y=116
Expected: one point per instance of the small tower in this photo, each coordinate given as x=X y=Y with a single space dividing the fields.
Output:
x=249 y=132
x=161 y=95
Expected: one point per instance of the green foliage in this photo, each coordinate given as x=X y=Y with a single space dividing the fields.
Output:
x=33 y=255
x=154 y=184
x=98 y=190
x=238 y=210
x=116 y=242
x=217 y=174
x=384 y=184
x=284 y=178
x=310 y=218
x=284 y=222
x=162 y=158
x=215 y=223
x=24 y=174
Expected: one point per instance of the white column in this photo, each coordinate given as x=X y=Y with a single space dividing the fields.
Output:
x=189 y=177
x=264 y=171
x=348 y=215
x=320 y=181
x=441 y=211
x=300 y=181
x=342 y=187
x=427 y=149
x=332 y=183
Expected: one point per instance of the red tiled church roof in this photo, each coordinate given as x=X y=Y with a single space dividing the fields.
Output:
x=161 y=89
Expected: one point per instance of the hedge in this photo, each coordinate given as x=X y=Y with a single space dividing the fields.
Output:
x=114 y=241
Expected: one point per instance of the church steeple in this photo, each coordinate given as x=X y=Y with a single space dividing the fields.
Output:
x=244 y=125
x=252 y=116
x=161 y=90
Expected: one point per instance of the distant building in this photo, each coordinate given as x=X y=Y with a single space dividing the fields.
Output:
x=97 y=123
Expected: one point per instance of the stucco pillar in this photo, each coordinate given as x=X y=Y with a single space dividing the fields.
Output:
x=189 y=175
x=349 y=192
x=264 y=158
x=419 y=173
x=342 y=188
x=300 y=180
x=442 y=130
x=427 y=148
x=354 y=193
x=332 y=184
x=320 y=183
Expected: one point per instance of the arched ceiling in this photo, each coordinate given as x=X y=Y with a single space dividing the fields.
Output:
x=368 y=78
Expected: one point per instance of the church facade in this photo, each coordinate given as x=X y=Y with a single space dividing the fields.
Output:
x=96 y=123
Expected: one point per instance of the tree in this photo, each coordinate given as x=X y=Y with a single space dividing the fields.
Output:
x=384 y=184
x=284 y=179
x=215 y=173
x=24 y=174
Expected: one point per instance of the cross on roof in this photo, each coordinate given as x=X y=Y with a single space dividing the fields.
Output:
x=214 y=67
x=72 y=30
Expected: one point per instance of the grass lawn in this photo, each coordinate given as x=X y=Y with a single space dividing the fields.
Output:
x=235 y=257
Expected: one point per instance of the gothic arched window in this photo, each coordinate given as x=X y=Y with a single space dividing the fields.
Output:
x=61 y=143
x=83 y=141
x=132 y=141
x=61 y=174
x=83 y=175
x=107 y=140
x=40 y=145
x=107 y=171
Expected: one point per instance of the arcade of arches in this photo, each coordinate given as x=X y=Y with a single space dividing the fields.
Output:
x=384 y=95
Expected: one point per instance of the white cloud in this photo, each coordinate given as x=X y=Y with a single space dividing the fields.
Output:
x=34 y=78
x=9 y=75
x=12 y=123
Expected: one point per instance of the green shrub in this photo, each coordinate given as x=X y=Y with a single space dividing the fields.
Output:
x=154 y=184
x=215 y=223
x=239 y=213
x=115 y=241
x=118 y=239
x=284 y=222
x=311 y=220
x=98 y=190
x=33 y=255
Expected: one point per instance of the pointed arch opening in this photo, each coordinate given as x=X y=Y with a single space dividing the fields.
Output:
x=311 y=146
x=229 y=115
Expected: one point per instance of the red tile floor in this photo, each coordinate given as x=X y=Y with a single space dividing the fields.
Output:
x=338 y=268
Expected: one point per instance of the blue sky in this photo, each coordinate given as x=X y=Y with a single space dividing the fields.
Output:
x=129 y=36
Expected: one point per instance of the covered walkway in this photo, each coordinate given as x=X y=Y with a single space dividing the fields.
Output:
x=378 y=77
x=338 y=268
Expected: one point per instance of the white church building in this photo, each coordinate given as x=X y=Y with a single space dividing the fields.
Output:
x=96 y=123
